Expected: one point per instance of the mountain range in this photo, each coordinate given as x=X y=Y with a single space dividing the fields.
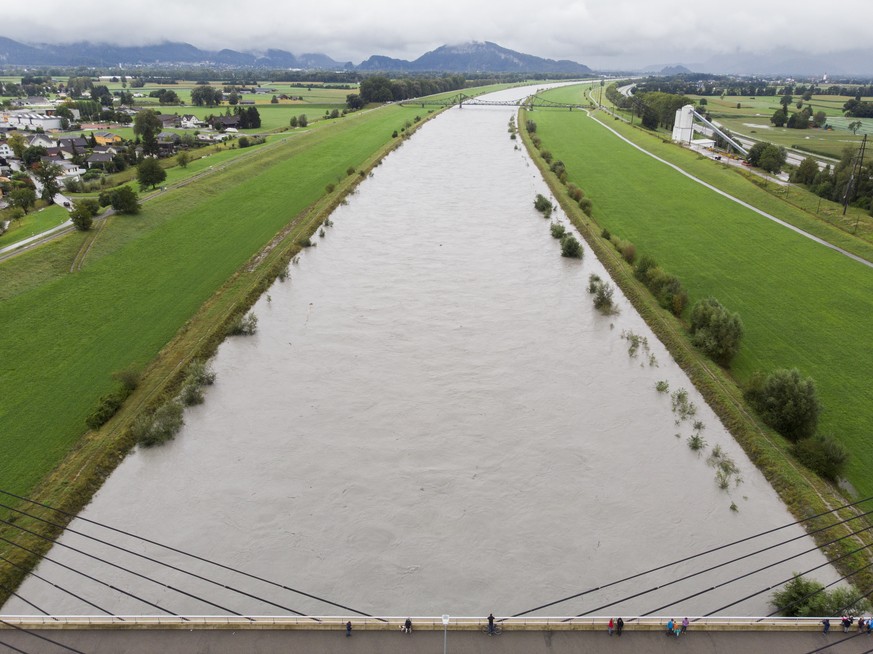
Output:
x=475 y=57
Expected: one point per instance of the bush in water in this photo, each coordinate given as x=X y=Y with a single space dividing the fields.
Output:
x=570 y=247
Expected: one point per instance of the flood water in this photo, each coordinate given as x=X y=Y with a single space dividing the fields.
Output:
x=432 y=418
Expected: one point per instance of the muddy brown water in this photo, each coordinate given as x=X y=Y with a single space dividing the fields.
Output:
x=432 y=418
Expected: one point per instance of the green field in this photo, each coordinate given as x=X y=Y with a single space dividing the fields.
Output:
x=34 y=223
x=752 y=119
x=803 y=305
x=143 y=278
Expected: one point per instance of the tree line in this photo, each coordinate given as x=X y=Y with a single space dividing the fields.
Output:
x=378 y=88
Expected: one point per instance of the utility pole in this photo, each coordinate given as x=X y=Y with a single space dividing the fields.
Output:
x=602 y=82
x=856 y=171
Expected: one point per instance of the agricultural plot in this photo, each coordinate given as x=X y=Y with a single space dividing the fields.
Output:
x=752 y=119
x=803 y=305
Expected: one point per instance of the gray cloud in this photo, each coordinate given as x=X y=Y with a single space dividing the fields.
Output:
x=594 y=32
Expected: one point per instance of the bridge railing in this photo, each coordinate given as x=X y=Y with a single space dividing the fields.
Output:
x=425 y=623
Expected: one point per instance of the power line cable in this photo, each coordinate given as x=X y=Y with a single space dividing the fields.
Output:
x=12 y=647
x=120 y=567
x=816 y=592
x=839 y=642
x=95 y=579
x=197 y=557
x=153 y=560
x=687 y=558
x=784 y=581
x=41 y=637
x=720 y=565
x=60 y=588
x=14 y=594
x=860 y=597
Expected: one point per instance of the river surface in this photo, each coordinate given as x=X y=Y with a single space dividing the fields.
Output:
x=432 y=418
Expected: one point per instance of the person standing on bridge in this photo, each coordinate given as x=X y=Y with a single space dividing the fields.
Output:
x=407 y=626
x=669 y=631
x=490 y=624
x=684 y=625
x=827 y=626
x=610 y=627
x=619 y=625
x=348 y=628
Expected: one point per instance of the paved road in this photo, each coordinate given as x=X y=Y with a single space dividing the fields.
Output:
x=382 y=642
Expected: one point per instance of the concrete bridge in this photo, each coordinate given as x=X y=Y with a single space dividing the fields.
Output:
x=315 y=635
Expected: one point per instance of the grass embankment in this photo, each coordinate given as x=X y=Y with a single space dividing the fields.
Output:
x=783 y=285
x=34 y=223
x=189 y=253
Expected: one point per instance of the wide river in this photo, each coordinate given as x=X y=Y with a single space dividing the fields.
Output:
x=432 y=418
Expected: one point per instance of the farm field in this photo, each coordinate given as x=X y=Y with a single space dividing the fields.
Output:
x=752 y=119
x=144 y=276
x=802 y=304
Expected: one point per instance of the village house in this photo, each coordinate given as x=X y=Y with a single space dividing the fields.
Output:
x=106 y=138
x=228 y=121
x=79 y=143
x=39 y=141
x=190 y=121
x=99 y=160
x=169 y=120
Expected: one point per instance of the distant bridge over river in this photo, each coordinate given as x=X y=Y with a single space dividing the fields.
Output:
x=461 y=99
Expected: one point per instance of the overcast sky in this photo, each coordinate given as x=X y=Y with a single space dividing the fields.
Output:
x=598 y=33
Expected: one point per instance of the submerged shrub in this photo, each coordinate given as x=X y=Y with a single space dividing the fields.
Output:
x=726 y=470
x=543 y=204
x=558 y=230
x=191 y=394
x=161 y=427
x=200 y=373
x=243 y=325
x=662 y=386
x=570 y=247
x=634 y=343
x=696 y=442
x=602 y=292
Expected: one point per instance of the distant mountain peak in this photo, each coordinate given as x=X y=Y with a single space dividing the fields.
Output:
x=476 y=57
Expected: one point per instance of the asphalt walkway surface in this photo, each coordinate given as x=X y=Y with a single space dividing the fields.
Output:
x=215 y=641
